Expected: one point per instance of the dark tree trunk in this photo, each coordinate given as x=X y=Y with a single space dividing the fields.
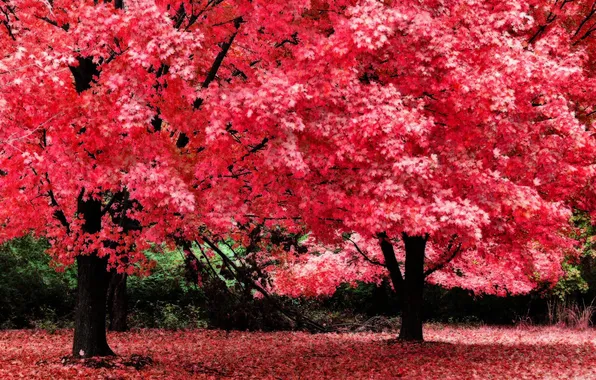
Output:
x=90 y=322
x=411 y=319
x=92 y=276
x=117 y=302
x=92 y=285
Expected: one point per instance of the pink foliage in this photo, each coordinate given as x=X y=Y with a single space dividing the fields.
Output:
x=447 y=119
x=470 y=119
x=325 y=268
x=154 y=58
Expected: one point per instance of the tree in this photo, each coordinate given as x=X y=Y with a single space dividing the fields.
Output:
x=104 y=118
x=458 y=134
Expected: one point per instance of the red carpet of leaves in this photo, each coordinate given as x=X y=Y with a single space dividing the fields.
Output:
x=450 y=353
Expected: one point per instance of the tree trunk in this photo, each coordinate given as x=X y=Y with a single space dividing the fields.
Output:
x=411 y=319
x=92 y=285
x=90 y=323
x=117 y=302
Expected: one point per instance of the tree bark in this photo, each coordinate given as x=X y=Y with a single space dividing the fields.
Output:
x=117 y=302
x=411 y=320
x=92 y=285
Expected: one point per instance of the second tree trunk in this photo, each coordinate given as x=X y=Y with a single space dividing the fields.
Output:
x=117 y=302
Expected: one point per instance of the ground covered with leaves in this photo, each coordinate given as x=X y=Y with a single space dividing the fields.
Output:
x=449 y=353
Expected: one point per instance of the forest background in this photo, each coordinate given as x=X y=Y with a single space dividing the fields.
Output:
x=33 y=294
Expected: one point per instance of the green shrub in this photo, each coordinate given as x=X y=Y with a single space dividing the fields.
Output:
x=34 y=295
x=30 y=290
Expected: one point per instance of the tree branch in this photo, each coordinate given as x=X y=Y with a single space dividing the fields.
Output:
x=585 y=20
x=391 y=261
x=256 y=148
x=374 y=262
x=183 y=139
x=451 y=255
x=218 y=61
x=289 y=314
x=293 y=41
x=549 y=20
x=58 y=213
x=111 y=202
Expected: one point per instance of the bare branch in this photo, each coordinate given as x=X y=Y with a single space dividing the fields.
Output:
x=218 y=61
x=451 y=253
x=249 y=282
x=292 y=41
x=256 y=148
x=374 y=262
x=586 y=19
x=114 y=198
x=58 y=213
x=183 y=139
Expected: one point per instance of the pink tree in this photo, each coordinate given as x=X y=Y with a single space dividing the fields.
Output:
x=462 y=130
x=104 y=123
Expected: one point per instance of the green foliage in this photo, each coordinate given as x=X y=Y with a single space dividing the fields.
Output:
x=50 y=321
x=30 y=290
x=587 y=263
x=170 y=316
x=165 y=299
x=229 y=296
x=166 y=283
x=441 y=305
x=580 y=273
x=571 y=282
x=34 y=295
x=587 y=233
x=365 y=298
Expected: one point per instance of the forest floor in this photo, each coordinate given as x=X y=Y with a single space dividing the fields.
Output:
x=450 y=352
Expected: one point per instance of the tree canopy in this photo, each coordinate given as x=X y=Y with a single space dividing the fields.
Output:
x=463 y=128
